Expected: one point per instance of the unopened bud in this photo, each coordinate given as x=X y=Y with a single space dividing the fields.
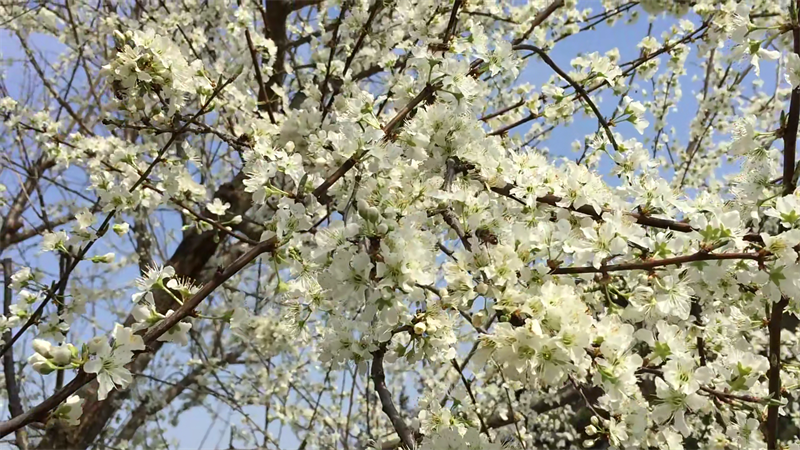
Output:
x=61 y=355
x=96 y=344
x=107 y=258
x=42 y=347
x=478 y=319
x=119 y=39
x=121 y=228
x=41 y=364
x=372 y=214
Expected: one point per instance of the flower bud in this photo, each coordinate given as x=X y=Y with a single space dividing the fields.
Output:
x=40 y=364
x=383 y=228
x=362 y=205
x=420 y=327
x=107 y=258
x=478 y=319
x=373 y=214
x=119 y=39
x=282 y=287
x=482 y=289
x=121 y=228
x=96 y=344
x=591 y=430
x=61 y=355
x=42 y=347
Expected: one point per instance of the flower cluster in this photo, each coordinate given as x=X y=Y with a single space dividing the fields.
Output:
x=151 y=77
x=386 y=243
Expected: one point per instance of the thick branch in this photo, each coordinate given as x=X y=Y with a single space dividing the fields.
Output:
x=776 y=315
x=451 y=220
x=379 y=380
x=774 y=374
x=451 y=24
x=297 y=5
x=12 y=388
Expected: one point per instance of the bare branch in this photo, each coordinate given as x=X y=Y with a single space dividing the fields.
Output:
x=379 y=380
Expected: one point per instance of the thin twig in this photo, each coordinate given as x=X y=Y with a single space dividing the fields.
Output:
x=652 y=264
x=541 y=17
x=578 y=88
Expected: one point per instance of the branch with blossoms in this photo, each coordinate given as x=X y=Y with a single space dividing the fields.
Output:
x=104 y=226
x=39 y=411
x=723 y=395
x=380 y=185
x=653 y=264
x=578 y=89
x=789 y=183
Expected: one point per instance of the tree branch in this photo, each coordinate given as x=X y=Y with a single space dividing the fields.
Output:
x=578 y=88
x=652 y=264
x=12 y=221
x=541 y=17
x=776 y=315
x=640 y=218
x=12 y=389
x=39 y=411
x=379 y=380
x=61 y=284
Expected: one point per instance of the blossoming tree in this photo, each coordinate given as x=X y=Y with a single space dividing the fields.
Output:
x=345 y=223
